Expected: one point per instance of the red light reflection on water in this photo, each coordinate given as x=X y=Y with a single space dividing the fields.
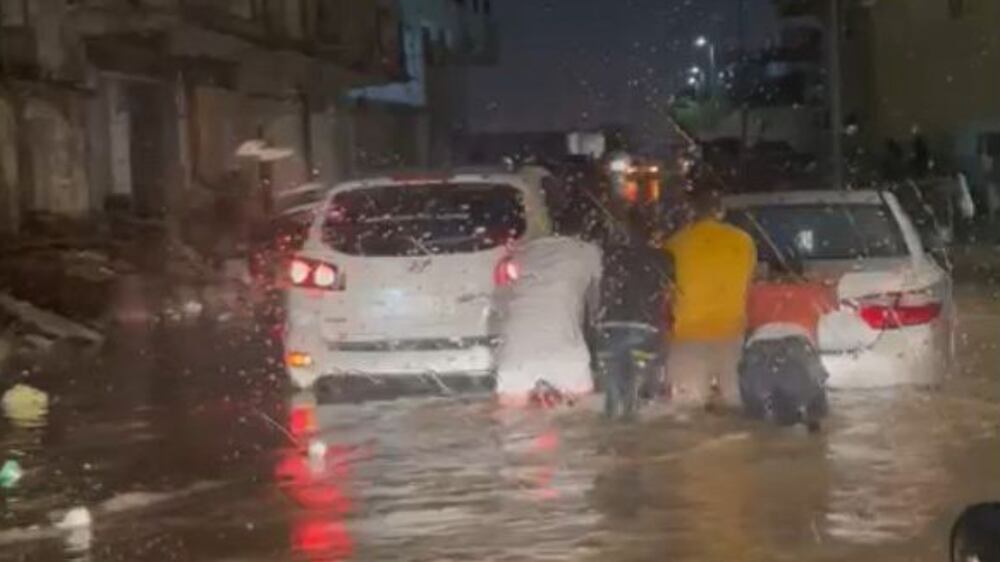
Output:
x=547 y=443
x=313 y=478
x=318 y=539
x=302 y=421
x=300 y=482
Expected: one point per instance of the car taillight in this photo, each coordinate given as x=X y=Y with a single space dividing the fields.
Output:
x=506 y=273
x=314 y=274
x=898 y=310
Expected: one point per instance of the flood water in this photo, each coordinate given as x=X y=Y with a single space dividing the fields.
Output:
x=182 y=445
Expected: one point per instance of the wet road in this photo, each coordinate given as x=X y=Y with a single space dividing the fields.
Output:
x=182 y=445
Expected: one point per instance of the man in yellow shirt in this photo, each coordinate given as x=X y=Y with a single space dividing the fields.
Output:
x=714 y=264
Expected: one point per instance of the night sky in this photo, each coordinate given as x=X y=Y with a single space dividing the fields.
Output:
x=584 y=63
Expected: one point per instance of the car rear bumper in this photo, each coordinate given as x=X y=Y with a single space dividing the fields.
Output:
x=906 y=357
x=426 y=358
x=354 y=388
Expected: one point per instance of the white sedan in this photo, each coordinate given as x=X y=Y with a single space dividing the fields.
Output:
x=398 y=273
x=895 y=318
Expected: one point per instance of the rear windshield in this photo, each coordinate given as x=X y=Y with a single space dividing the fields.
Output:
x=822 y=232
x=422 y=219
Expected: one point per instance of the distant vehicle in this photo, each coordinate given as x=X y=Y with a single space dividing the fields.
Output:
x=397 y=274
x=895 y=319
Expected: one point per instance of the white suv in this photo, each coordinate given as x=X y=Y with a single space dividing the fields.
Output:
x=398 y=273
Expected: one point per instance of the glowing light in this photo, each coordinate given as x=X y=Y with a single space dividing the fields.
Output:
x=298 y=359
x=324 y=276
x=299 y=271
x=620 y=165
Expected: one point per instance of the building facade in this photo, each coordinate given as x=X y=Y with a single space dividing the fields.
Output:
x=146 y=105
x=424 y=115
x=932 y=67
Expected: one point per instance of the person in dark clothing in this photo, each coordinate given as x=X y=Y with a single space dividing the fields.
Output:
x=922 y=163
x=976 y=534
x=781 y=376
x=894 y=163
x=632 y=322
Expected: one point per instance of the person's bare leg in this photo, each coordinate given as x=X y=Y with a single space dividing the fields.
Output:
x=687 y=371
x=727 y=357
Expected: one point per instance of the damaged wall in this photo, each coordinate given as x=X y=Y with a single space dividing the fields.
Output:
x=55 y=133
x=10 y=216
x=145 y=103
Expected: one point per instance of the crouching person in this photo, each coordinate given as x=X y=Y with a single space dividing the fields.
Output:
x=632 y=324
x=550 y=289
x=782 y=378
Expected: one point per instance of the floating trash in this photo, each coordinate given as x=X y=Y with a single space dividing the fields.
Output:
x=25 y=406
x=10 y=474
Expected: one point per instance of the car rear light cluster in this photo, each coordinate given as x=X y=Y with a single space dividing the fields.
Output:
x=314 y=274
x=506 y=272
x=898 y=310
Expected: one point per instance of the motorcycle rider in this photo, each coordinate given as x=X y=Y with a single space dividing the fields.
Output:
x=633 y=320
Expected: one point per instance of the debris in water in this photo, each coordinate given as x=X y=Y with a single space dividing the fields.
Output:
x=192 y=308
x=317 y=450
x=10 y=474
x=47 y=322
x=76 y=523
x=25 y=406
x=75 y=518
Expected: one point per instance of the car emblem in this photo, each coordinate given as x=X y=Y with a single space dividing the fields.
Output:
x=419 y=266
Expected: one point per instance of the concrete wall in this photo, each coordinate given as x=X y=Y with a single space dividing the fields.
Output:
x=933 y=71
x=55 y=133
x=10 y=216
x=121 y=122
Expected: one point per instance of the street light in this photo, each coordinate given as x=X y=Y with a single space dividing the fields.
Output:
x=694 y=70
x=702 y=42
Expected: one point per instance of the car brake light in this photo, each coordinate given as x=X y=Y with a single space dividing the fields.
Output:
x=313 y=274
x=298 y=272
x=506 y=272
x=898 y=310
x=324 y=276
